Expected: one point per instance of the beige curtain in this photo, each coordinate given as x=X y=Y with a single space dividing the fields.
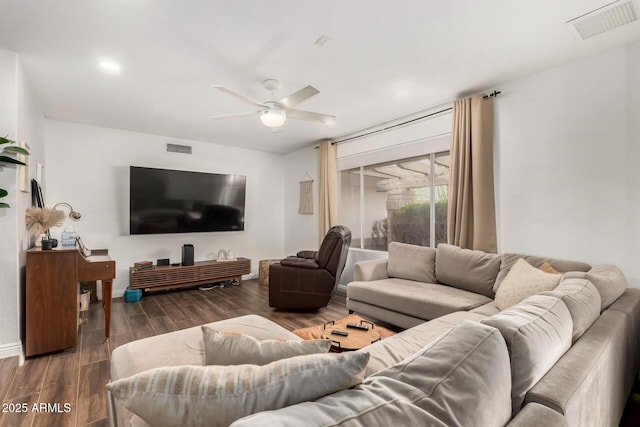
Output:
x=328 y=188
x=472 y=213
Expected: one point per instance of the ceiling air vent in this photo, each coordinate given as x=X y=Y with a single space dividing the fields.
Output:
x=175 y=148
x=606 y=18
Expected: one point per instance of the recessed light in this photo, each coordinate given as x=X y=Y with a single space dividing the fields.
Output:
x=109 y=66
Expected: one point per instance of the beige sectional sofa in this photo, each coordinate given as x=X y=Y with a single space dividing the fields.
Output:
x=567 y=356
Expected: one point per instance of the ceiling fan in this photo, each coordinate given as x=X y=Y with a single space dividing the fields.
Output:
x=273 y=114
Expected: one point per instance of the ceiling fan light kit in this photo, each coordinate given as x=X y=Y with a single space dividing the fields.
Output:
x=273 y=117
x=273 y=114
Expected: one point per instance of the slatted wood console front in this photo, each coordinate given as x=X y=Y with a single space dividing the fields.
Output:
x=202 y=272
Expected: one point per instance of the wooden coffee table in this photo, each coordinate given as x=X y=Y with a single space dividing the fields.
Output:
x=355 y=340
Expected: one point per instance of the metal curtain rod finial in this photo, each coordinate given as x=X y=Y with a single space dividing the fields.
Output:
x=72 y=214
x=493 y=94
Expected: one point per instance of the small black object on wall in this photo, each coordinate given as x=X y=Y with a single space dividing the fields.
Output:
x=187 y=254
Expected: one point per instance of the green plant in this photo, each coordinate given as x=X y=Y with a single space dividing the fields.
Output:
x=10 y=149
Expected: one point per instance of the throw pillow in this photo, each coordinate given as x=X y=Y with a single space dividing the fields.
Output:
x=224 y=348
x=190 y=396
x=523 y=281
x=547 y=268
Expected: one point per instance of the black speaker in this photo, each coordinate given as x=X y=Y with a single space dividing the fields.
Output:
x=162 y=261
x=187 y=254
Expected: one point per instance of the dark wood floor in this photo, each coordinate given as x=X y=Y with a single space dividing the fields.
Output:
x=78 y=376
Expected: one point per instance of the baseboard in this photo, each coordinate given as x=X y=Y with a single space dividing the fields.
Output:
x=11 y=350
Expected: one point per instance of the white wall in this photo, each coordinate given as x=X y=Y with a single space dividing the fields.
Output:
x=563 y=146
x=20 y=118
x=633 y=113
x=9 y=330
x=88 y=167
x=301 y=230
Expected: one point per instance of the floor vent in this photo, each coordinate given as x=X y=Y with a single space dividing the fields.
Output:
x=603 y=19
x=175 y=148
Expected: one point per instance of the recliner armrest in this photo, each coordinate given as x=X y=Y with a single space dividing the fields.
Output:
x=300 y=263
x=307 y=254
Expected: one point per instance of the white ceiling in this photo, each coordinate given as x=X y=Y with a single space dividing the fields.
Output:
x=385 y=59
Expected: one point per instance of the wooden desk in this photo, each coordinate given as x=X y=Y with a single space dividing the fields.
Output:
x=51 y=295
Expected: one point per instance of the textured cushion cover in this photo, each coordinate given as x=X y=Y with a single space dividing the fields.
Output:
x=473 y=271
x=560 y=265
x=523 y=281
x=609 y=280
x=218 y=395
x=538 y=332
x=461 y=379
x=395 y=349
x=224 y=348
x=583 y=301
x=412 y=262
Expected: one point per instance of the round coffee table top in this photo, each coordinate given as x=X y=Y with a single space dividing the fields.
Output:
x=356 y=339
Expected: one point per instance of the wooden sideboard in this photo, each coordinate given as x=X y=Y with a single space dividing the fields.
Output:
x=201 y=272
x=51 y=295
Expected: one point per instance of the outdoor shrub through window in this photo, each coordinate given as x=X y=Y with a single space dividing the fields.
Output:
x=395 y=202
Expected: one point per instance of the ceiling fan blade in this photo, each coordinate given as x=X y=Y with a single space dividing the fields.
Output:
x=310 y=116
x=297 y=97
x=232 y=115
x=239 y=96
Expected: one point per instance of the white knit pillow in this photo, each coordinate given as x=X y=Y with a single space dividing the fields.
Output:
x=211 y=396
x=523 y=281
x=226 y=348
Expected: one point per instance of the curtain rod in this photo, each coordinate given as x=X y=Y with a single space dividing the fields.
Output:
x=493 y=94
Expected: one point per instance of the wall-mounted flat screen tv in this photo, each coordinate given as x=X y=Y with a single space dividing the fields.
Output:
x=172 y=201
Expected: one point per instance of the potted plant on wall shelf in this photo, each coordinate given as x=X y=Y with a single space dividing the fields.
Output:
x=11 y=148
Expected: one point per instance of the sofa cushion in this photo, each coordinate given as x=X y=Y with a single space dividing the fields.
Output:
x=471 y=270
x=447 y=383
x=218 y=395
x=537 y=331
x=228 y=348
x=560 y=265
x=395 y=349
x=488 y=309
x=423 y=300
x=609 y=280
x=523 y=281
x=583 y=301
x=412 y=262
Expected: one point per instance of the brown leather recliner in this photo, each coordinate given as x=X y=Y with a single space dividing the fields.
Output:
x=309 y=279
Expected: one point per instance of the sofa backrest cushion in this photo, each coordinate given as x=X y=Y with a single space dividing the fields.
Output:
x=467 y=269
x=412 y=262
x=523 y=281
x=463 y=378
x=609 y=280
x=538 y=332
x=583 y=301
x=218 y=395
x=560 y=265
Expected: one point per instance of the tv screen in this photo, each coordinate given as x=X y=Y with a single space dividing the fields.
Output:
x=171 y=201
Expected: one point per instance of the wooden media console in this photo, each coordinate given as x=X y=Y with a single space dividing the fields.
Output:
x=202 y=272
